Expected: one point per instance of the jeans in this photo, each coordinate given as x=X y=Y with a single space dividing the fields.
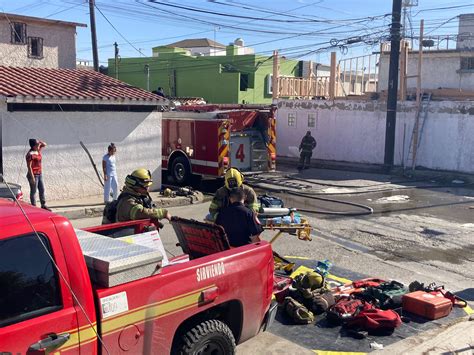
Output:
x=36 y=185
x=110 y=183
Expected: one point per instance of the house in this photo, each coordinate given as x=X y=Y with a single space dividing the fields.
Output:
x=230 y=78
x=36 y=42
x=200 y=46
x=66 y=106
x=451 y=58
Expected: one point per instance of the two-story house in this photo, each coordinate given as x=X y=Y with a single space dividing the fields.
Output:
x=36 y=42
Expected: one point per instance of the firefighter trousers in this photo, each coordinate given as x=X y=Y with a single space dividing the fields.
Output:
x=305 y=160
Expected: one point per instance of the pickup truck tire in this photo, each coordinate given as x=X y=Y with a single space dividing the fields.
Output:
x=180 y=170
x=211 y=337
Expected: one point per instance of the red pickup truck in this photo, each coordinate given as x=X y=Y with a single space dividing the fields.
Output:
x=56 y=299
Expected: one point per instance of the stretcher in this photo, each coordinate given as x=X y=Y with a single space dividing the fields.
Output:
x=289 y=225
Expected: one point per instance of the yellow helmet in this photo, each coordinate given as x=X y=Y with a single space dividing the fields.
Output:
x=233 y=178
x=139 y=178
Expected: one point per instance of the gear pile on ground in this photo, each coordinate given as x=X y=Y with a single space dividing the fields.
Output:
x=370 y=305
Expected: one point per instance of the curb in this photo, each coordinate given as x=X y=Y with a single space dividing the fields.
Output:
x=97 y=210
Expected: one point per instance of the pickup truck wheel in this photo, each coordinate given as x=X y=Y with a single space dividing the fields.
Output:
x=180 y=170
x=211 y=337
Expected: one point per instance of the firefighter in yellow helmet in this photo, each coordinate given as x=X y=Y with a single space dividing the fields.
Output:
x=233 y=179
x=135 y=202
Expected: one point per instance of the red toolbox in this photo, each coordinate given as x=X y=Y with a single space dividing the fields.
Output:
x=427 y=305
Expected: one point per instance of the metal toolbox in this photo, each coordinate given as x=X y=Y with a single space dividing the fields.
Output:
x=113 y=262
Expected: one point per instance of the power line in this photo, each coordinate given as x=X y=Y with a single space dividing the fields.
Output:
x=116 y=30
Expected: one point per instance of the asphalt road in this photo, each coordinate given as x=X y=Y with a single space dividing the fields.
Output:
x=420 y=230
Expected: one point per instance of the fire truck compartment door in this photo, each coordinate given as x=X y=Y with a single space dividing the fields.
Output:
x=240 y=152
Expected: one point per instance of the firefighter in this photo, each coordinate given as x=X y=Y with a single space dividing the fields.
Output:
x=135 y=202
x=307 y=145
x=240 y=223
x=233 y=179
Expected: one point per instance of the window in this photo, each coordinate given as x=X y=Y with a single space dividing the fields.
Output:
x=311 y=120
x=292 y=119
x=35 y=47
x=269 y=84
x=244 y=82
x=467 y=63
x=18 y=33
x=28 y=280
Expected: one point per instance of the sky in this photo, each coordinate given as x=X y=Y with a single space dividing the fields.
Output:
x=299 y=29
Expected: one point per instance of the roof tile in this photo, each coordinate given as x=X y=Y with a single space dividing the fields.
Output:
x=44 y=83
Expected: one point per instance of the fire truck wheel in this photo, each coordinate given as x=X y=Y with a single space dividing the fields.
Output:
x=210 y=337
x=180 y=170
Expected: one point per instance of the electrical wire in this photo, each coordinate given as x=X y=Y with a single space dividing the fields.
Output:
x=116 y=30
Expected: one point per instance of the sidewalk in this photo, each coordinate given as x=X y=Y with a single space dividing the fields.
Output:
x=454 y=338
x=93 y=206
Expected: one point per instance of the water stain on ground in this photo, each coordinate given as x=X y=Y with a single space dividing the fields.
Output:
x=450 y=255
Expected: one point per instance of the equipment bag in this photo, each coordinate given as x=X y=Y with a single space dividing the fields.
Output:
x=321 y=302
x=387 y=295
x=297 y=312
x=375 y=320
x=270 y=201
x=345 y=309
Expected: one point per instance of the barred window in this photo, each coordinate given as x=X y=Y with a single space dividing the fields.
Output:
x=467 y=63
x=292 y=119
x=18 y=33
x=311 y=120
x=35 y=47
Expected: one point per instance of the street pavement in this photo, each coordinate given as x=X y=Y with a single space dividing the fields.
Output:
x=427 y=236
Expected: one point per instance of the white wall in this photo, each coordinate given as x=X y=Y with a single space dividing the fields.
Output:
x=59 y=46
x=353 y=131
x=67 y=172
x=439 y=70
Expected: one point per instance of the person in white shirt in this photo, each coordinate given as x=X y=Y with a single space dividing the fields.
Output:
x=110 y=173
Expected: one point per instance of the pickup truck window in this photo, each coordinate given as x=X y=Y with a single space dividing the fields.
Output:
x=29 y=284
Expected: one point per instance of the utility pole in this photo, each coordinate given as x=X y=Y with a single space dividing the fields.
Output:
x=392 y=84
x=95 y=54
x=116 y=60
x=147 y=72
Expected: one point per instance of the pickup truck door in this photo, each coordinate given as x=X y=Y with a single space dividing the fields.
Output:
x=36 y=306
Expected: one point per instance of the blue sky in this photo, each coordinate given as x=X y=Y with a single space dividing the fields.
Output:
x=300 y=29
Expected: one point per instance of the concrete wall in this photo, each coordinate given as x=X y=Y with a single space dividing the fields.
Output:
x=59 y=46
x=440 y=69
x=68 y=172
x=465 y=38
x=354 y=131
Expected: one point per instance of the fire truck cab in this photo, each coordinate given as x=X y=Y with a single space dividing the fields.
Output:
x=207 y=139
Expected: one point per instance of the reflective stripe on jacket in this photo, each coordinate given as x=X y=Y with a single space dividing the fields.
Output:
x=221 y=200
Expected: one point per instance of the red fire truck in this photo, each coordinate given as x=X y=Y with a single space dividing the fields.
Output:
x=207 y=139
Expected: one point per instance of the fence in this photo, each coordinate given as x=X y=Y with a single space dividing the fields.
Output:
x=358 y=75
x=303 y=87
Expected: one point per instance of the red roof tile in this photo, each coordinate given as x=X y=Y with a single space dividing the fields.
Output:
x=48 y=83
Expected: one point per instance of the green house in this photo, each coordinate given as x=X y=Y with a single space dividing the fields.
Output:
x=229 y=78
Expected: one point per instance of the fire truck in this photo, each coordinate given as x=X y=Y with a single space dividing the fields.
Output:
x=207 y=139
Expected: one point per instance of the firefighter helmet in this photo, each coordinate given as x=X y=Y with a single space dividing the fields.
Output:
x=233 y=178
x=139 y=178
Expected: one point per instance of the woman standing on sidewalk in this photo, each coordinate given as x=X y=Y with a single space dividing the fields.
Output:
x=35 y=173
x=110 y=173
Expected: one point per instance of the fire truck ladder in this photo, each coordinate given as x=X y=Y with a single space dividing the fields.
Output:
x=417 y=133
